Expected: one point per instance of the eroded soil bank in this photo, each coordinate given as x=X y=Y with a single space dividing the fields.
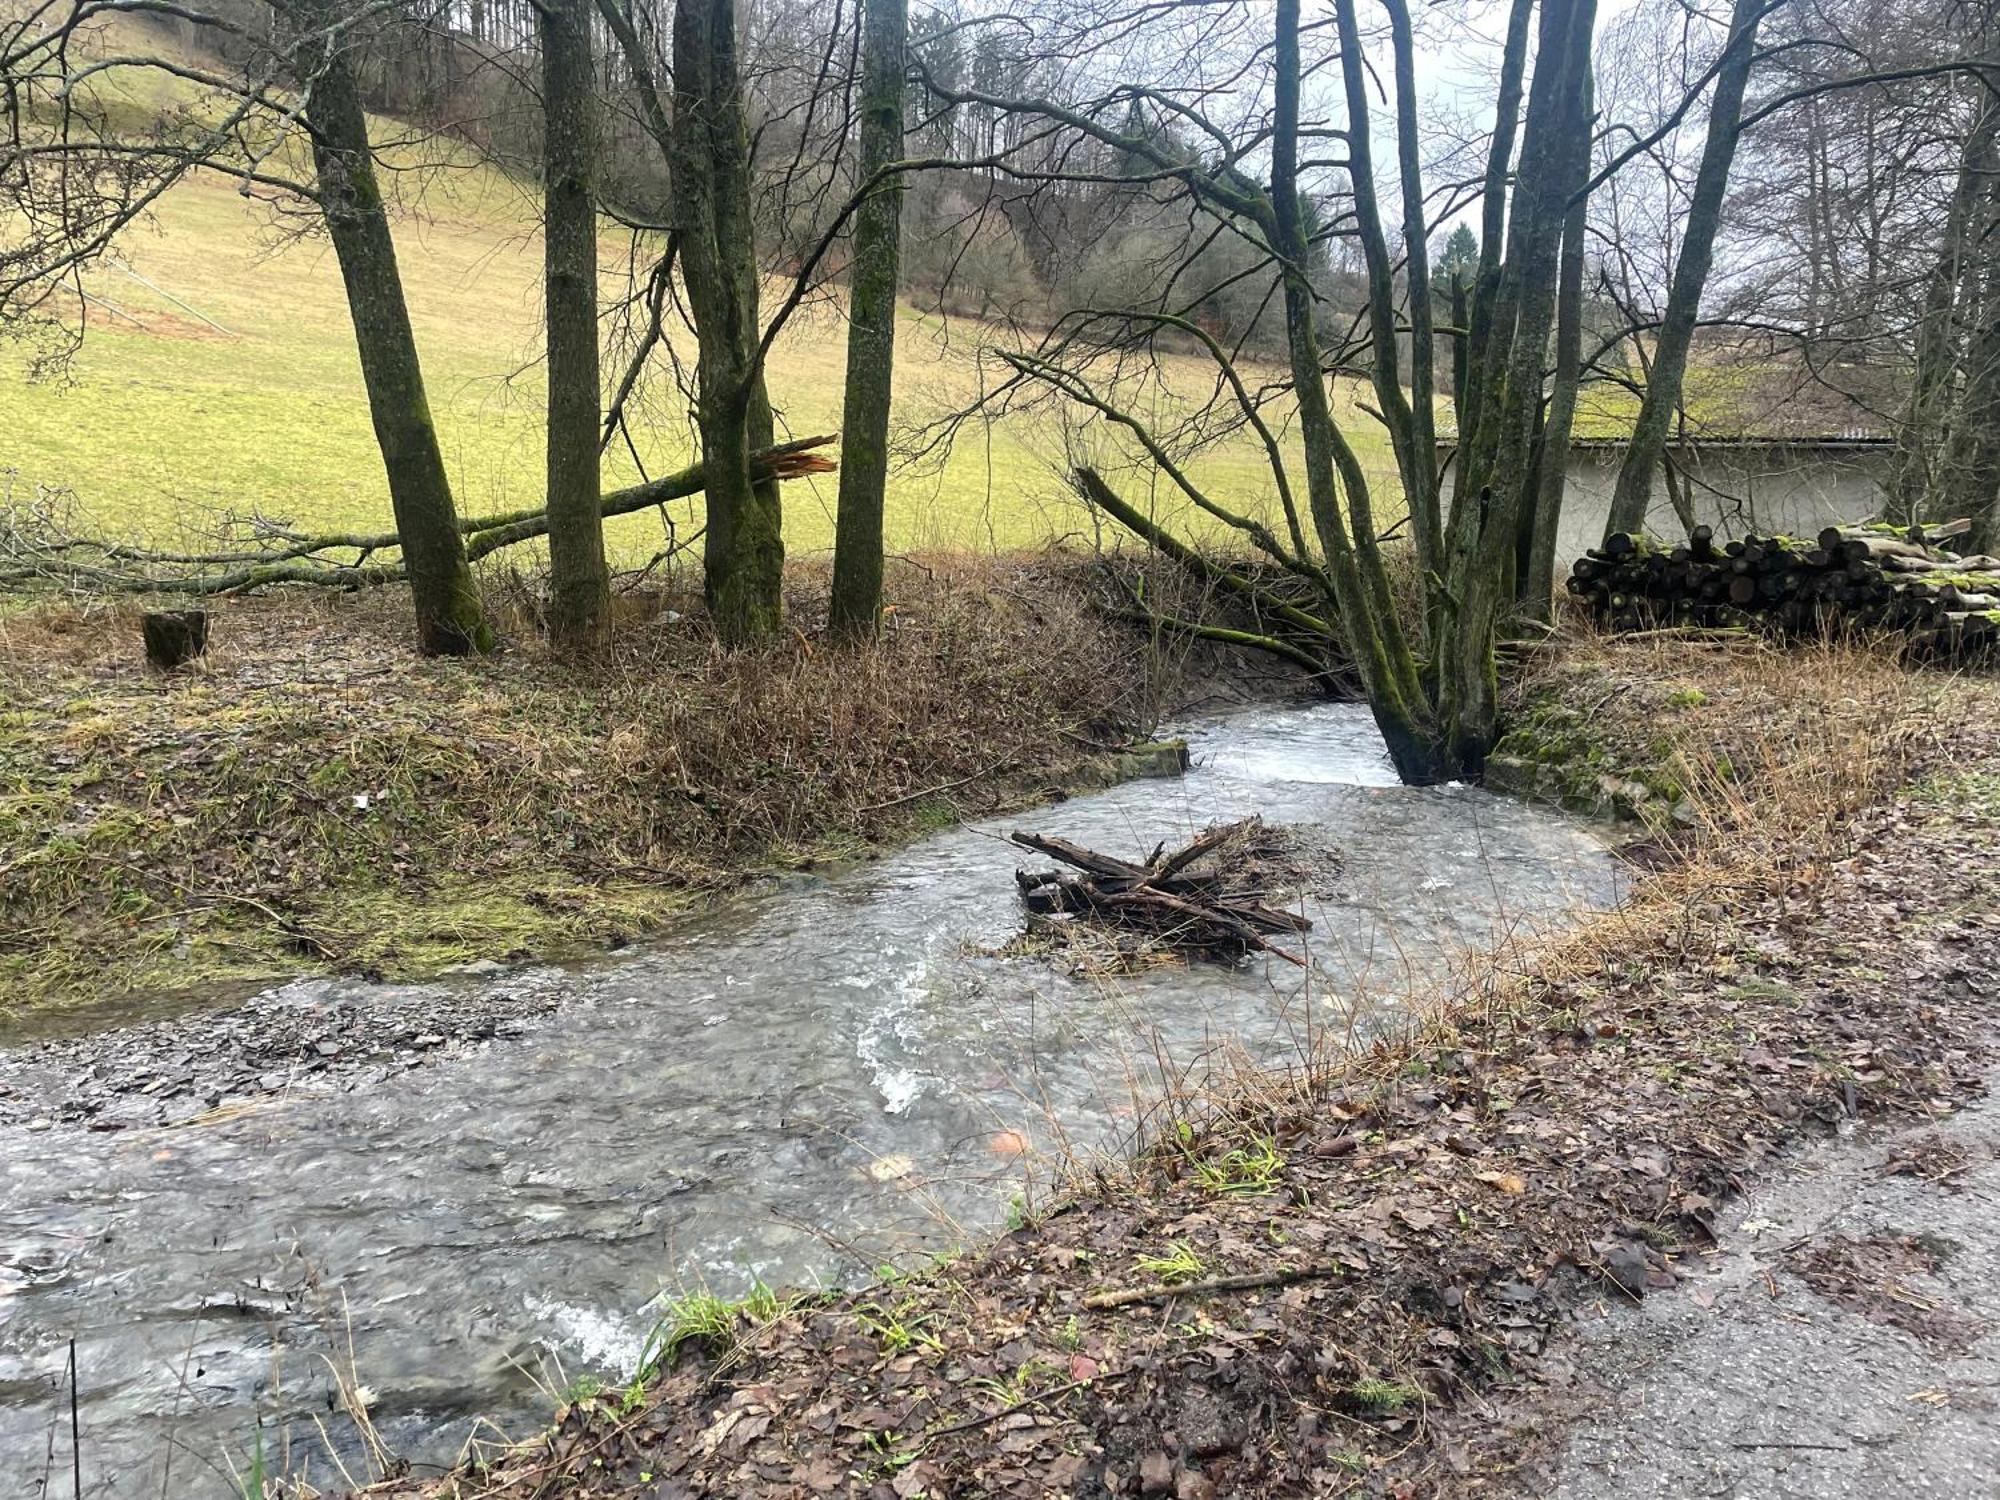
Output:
x=1318 y=1282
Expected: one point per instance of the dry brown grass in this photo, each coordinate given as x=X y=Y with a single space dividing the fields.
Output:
x=1778 y=751
x=315 y=790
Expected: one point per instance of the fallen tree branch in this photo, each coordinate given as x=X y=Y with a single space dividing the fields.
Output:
x=1249 y=639
x=38 y=550
x=1251 y=1281
x=1216 y=913
x=1094 y=490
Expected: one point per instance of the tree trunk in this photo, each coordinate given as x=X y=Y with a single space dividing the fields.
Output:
x=579 y=579
x=871 y=330
x=174 y=637
x=744 y=553
x=1492 y=232
x=1920 y=478
x=1538 y=581
x=1485 y=538
x=1461 y=365
x=1633 y=496
x=1374 y=634
x=449 y=619
x=1969 y=486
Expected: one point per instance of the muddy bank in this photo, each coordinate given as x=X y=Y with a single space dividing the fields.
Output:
x=1314 y=1283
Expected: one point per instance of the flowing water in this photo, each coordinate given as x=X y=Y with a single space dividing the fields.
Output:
x=803 y=1083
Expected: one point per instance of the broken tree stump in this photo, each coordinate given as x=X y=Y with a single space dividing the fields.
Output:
x=174 y=637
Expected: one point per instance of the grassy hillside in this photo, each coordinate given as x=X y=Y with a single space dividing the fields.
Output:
x=167 y=420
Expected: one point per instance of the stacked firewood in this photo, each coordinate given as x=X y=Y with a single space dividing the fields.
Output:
x=1205 y=900
x=1865 y=578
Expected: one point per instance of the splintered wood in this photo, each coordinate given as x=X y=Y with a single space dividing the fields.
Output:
x=1202 y=901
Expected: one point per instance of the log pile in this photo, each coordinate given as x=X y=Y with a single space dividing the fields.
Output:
x=1848 y=578
x=1204 y=901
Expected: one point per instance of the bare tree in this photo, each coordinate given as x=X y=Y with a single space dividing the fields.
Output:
x=1633 y=495
x=702 y=130
x=78 y=183
x=1431 y=679
x=873 y=284
x=579 y=578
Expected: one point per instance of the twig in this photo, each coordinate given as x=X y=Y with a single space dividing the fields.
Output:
x=932 y=791
x=1250 y=1281
x=1038 y=1399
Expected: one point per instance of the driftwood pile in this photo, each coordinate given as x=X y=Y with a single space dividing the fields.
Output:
x=1202 y=901
x=1865 y=578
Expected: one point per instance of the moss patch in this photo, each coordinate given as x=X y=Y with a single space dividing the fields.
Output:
x=1563 y=745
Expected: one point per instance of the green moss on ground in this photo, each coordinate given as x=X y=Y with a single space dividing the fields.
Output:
x=1572 y=741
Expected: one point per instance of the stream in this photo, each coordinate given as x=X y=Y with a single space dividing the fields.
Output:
x=801 y=1084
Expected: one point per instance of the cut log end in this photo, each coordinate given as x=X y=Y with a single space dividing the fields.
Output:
x=174 y=637
x=1860 y=579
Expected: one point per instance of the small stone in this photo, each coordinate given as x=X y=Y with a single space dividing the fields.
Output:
x=42 y=1123
x=1156 y=1473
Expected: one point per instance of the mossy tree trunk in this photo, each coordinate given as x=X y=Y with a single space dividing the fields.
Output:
x=871 y=329
x=1941 y=332
x=1486 y=284
x=744 y=554
x=1633 y=496
x=1483 y=580
x=579 y=579
x=1969 y=484
x=450 y=621
x=1375 y=634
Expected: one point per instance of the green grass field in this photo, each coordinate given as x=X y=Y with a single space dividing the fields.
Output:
x=165 y=422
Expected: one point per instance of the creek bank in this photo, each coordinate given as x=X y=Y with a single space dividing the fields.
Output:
x=312 y=796
x=829 y=1074
x=1313 y=1282
x=316 y=1035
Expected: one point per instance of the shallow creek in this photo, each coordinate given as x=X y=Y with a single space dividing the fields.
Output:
x=803 y=1083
